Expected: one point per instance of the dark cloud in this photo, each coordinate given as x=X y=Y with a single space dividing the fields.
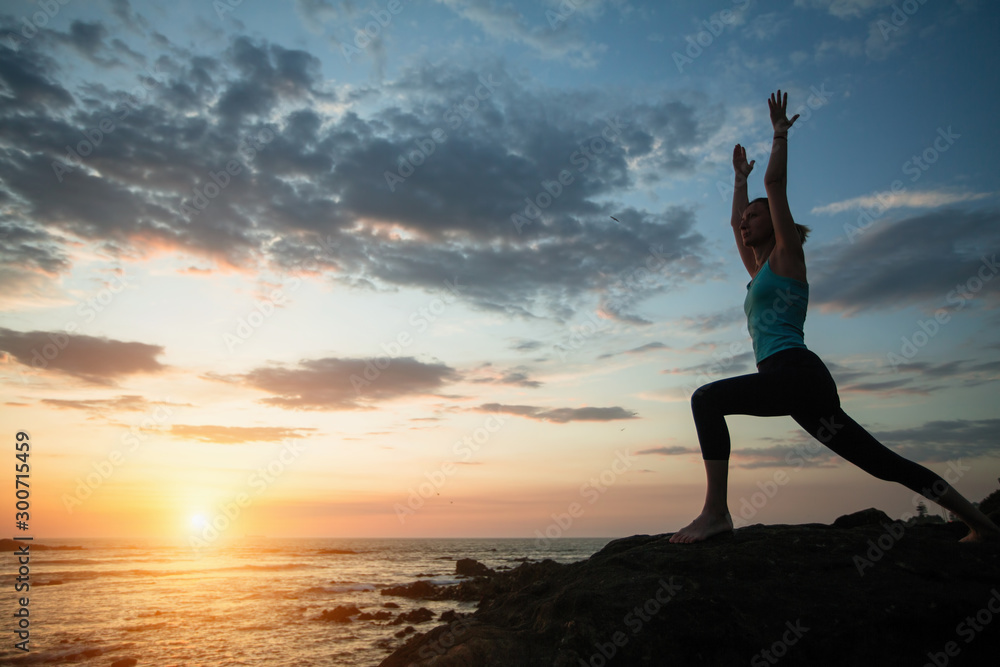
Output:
x=669 y=451
x=642 y=349
x=528 y=345
x=25 y=80
x=804 y=454
x=714 y=322
x=344 y=384
x=123 y=10
x=270 y=74
x=914 y=377
x=94 y=360
x=316 y=190
x=560 y=415
x=235 y=435
x=945 y=440
x=930 y=261
x=88 y=40
x=723 y=365
x=515 y=376
x=30 y=248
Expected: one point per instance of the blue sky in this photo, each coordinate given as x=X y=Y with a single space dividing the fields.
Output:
x=280 y=229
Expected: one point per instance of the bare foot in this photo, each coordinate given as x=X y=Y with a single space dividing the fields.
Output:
x=703 y=527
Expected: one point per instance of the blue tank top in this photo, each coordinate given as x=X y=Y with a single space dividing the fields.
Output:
x=776 y=310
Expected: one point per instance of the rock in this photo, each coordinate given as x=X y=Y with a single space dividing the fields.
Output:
x=415 y=591
x=405 y=631
x=472 y=568
x=125 y=662
x=449 y=616
x=877 y=593
x=421 y=615
x=86 y=653
x=8 y=545
x=868 y=517
x=377 y=616
x=390 y=605
x=340 y=614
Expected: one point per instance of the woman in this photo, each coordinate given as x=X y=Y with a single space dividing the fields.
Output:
x=791 y=380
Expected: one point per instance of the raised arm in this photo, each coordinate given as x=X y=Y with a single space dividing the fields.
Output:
x=786 y=237
x=742 y=171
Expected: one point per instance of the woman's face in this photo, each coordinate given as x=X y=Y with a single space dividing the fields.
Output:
x=755 y=227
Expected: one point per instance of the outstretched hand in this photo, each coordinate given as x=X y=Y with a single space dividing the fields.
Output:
x=740 y=164
x=779 y=118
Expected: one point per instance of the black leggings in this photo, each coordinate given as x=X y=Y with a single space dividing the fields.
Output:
x=796 y=382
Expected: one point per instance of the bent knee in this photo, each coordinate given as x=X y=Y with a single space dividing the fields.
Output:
x=703 y=397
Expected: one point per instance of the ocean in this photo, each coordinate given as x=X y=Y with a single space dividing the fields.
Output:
x=253 y=601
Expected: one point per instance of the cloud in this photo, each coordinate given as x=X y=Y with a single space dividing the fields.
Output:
x=554 y=40
x=669 y=451
x=721 y=320
x=516 y=376
x=931 y=261
x=527 y=345
x=24 y=78
x=887 y=201
x=269 y=74
x=845 y=9
x=133 y=21
x=94 y=360
x=235 y=435
x=845 y=46
x=344 y=384
x=642 y=349
x=767 y=26
x=317 y=191
x=724 y=365
x=945 y=440
x=127 y=403
x=560 y=415
x=807 y=453
x=915 y=377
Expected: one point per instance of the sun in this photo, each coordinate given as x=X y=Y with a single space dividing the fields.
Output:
x=198 y=521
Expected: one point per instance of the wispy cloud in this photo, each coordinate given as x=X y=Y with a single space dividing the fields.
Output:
x=235 y=435
x=891 y=200
x=560 y=415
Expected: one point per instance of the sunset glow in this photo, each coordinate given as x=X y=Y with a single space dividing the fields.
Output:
x=258 y=280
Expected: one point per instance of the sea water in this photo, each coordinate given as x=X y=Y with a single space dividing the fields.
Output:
x=253 y=601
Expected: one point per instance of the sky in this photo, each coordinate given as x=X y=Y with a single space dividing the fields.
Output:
x=454 y=268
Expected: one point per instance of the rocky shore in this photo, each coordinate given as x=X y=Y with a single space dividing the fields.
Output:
x=864 y=591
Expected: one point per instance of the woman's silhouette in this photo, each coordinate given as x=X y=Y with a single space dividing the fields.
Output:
x=791 y=380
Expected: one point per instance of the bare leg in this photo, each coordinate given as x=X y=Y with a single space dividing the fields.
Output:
x=715 y=517
x=980 y=526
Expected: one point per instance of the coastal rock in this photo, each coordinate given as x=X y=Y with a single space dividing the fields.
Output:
x=873 y=594
x=449 y=616
x=868 y=517
x=377 y=616
x=340 y=614
x=415 y=591
x=8 y=545
x=472 y=568
x=421 y=615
